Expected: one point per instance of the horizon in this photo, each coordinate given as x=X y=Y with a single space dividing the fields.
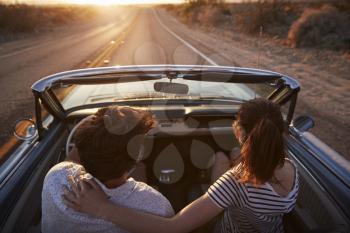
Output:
x=90 y=2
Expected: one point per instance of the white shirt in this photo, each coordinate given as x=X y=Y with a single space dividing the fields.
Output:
x=57 y=217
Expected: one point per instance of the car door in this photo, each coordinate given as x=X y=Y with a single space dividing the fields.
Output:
x=21 y=179
x=324 y=193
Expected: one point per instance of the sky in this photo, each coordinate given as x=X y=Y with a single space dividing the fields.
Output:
x=101 y=2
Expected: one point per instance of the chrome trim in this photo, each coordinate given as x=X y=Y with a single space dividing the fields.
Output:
x=294 y=84
x=46 y=82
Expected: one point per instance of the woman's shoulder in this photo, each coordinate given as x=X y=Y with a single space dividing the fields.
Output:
x=286 y=180
x=232 y=175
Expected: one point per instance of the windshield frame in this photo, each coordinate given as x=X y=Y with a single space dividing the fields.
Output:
x=43 y=88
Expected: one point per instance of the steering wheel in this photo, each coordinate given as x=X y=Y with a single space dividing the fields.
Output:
x=71 y=134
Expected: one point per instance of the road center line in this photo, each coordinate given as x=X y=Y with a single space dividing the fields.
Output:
x=210 y=61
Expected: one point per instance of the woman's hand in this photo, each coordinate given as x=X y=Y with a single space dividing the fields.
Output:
x=86 y=196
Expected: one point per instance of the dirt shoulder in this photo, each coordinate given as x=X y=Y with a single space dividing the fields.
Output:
x=324 y=75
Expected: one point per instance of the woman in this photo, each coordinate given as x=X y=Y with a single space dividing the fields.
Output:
x=255 y=193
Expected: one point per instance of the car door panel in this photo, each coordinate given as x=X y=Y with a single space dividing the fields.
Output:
x=21 y=197
x=322 y=193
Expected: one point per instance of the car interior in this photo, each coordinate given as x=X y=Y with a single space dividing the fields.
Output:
x=179 y=156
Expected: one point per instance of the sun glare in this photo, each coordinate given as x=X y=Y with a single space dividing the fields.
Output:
x=95 y=2
x=110 y=2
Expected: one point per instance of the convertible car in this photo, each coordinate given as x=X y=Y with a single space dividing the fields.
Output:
x=195 y=106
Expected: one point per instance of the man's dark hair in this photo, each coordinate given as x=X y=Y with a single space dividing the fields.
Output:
x=103 y=151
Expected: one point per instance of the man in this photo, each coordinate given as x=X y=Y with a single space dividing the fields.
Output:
x=104 y=145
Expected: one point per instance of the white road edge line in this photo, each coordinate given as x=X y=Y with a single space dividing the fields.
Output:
x=185 y=42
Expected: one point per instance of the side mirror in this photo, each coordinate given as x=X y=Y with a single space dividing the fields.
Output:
x=303 y=123
x=25 y=129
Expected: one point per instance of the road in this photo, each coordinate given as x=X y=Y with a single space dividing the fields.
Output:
x=150 y=43
x=137 y=36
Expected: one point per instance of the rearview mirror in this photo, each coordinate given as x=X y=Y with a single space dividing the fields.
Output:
x=171 y=88
x=25 y=129
x=303 y=123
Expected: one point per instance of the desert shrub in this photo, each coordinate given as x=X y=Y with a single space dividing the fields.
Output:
x=19 y=18
x=325 y=26
x=191 y=6
x=204 y=12
x=15 y=18
x=213 y=15
x=272 y=15
x=190 y=10
x=169 y=7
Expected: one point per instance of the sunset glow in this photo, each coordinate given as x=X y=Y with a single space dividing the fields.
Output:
x=92 y=2
x=95 y=2
x=110 y=2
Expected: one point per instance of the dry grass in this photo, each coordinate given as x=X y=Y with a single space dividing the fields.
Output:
x=201 y=12
x=21 y=18
x=213 y=15
x=274 y=17
x=246 y=17
x=326 y=27
x=297 y=24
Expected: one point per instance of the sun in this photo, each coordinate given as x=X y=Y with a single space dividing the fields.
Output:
x=110 y=2
x=95 y=2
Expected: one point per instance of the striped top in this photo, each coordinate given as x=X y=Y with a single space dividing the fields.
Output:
x=250 y=208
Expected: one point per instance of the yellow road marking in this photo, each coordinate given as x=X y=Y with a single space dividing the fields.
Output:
x=113 y=46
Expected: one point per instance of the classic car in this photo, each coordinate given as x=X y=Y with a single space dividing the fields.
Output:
x=195 y=106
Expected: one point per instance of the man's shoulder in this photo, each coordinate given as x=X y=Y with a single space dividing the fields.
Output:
x=147 y=190
x=64 y=166
x=58 y=174
x=142 y=185
x=53 y=208
x=152 y=200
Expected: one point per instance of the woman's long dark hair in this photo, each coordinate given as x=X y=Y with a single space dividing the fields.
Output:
x=262 y=126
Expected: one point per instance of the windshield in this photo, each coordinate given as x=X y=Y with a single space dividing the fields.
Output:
x=79 y=95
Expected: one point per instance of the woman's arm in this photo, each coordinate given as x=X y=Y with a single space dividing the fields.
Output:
x=89 y=198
